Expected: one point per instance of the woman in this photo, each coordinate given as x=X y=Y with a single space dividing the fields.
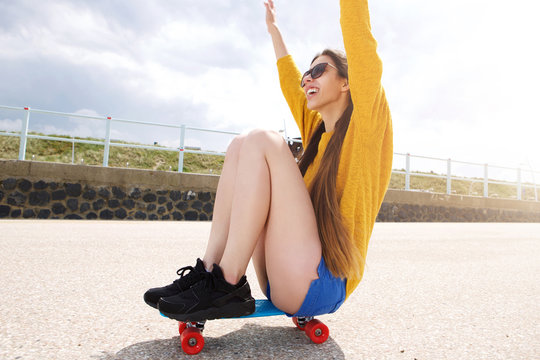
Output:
x=306 y=226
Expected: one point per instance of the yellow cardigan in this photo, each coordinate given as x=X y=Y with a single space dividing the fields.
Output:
x=366 y=156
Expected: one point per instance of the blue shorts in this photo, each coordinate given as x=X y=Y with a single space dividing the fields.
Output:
x=325 y=294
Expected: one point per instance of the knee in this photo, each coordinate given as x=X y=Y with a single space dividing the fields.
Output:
x=236 y=144
x=263 y=134
x=263 y=139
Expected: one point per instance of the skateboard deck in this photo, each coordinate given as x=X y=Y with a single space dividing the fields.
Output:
x=192 y=341
x=264 y=308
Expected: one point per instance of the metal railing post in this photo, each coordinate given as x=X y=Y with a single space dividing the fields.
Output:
x=408 y=171
x=519 y=183
x=73 y=150
x=534 y=183
x=181 y=149
x=24 y=135
x=449 y=177
x=486 y=181
x=533 y=179
x=107 y=142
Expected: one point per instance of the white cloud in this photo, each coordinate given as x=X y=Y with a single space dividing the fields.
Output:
x=10 y=125
x=460 y=82
x=460 y=75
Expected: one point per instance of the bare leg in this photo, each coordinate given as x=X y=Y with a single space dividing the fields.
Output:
x=259 y=261
x=222 y=206
x=271 y=206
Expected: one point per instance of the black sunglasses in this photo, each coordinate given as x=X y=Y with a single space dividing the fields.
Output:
x=315 y=72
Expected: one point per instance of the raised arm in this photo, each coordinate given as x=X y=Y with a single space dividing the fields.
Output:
x=277 y=39
x=367 y=150
x=365 y=66
x=289 y=78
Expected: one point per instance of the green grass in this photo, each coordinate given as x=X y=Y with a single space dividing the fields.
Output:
x=59 y=151
x=469 y=187
x=89 y=154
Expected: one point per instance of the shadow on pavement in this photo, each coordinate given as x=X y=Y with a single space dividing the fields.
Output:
x=251 y=341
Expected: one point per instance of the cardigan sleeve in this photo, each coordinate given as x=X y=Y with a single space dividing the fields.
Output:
x=365 y=66
x=289 y=78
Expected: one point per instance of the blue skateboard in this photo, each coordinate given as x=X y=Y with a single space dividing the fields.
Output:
x=192 y=341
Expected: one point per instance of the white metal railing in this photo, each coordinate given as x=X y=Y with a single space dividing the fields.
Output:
x=519 y=184
x=107 y=143
x=24 y=136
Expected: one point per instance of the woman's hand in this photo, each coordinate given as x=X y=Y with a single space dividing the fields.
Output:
x=277 y=40
x=270 y=15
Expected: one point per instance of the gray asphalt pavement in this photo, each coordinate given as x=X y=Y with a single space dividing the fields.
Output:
x=73 y=290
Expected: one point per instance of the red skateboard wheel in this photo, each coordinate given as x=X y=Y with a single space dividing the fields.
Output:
x=192 y=341
x=181 y=327
x=317 y=331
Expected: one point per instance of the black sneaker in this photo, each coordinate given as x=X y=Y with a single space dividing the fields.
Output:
x=186 y=280
x=211 y=298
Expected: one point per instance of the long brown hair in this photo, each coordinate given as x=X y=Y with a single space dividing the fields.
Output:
x=340 y=253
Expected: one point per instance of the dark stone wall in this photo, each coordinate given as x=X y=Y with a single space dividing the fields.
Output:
x=24 y=199
x=396 y=212
x=35 y=190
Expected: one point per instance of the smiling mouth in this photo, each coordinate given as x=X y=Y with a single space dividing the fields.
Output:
x=312 y=91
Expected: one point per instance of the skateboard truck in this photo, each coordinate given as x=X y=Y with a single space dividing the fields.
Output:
x=301 y=322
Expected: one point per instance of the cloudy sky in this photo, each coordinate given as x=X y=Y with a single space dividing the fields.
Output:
x=462 y=76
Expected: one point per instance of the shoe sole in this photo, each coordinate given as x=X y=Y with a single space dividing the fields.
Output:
x=155 y=306
x=233 y=310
